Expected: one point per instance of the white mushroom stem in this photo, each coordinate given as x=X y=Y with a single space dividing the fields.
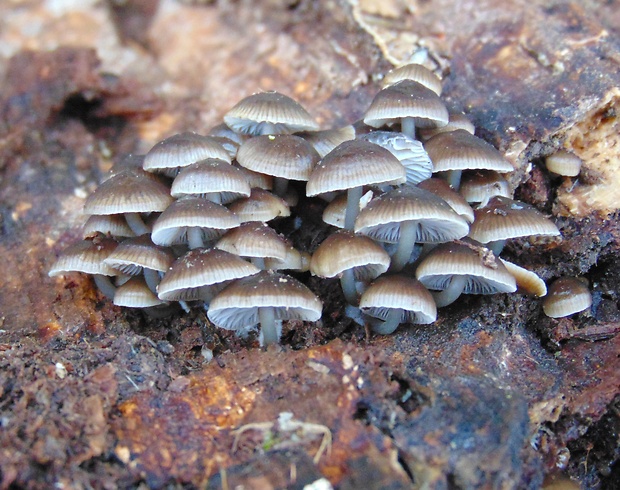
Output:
x=391 y=322
x=454 y=178
x=105 y=285
x=347 y=282
x=353 y=207
x=280 y=186
x=267 y=319
x=134 y=220
x=266 y=128
x=452 y=292
x=194 y=237
x=152 y=278
x=407 y=126
x=496 y=247
x=406 y=243
x=259 y=262
x=215 y=197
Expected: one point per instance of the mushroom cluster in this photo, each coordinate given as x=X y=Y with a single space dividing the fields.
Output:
x=189 y=221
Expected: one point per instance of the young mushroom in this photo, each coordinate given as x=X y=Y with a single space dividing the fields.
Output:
x=415 y=72
x=266 y=298
x=567 y=296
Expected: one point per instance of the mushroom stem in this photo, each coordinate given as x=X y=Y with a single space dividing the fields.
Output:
x=454 y=178
x=280 y=186
x=267 y=319
x=105 y=285
x=406 y=243
x=215 y=197
x=151 y=277
x=347 y=282
x=353 y=207
x=134 y=220
x=496 y=247
x=407 y=127
x=194 y=237
x=266 y=128
x=391 y=322
x=452 y=292
x=259 y=262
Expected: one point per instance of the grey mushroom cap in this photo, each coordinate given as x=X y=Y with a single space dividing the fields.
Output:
x=86 y=256
x=211 y=177
x=135 y=254
x=237 y=306
x=417 y=73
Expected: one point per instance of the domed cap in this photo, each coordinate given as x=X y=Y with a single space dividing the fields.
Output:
x=407 y=99
x=286 y=156
x=354 y=164
x=566 y=296
x=460 y=150
x=417 y=73
x=503 y=218
x=399 y=292
x=344 y=250
x=481 y=185
x=410 y=153
x=254 y=240
x=260 y=206
x=456 y=120
x=182 y=150
x=210 y=219
x=328 y=139
x=135 y=254
x=86 y=256
x=269 y=113
x=334 y=213
x=237 y=305
x=128 y=193
x=201 y=273
x=436 y=221
x=136 y=294
x=215 y=179
x=443 y=190
x=564 y=163
x=114 y=225
x=484 y=274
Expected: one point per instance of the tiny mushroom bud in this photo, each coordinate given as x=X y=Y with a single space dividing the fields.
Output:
x=266 y=298
x=528 y=282
x=564 y=163
x=566 y=296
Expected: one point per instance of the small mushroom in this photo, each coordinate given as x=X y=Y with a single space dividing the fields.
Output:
x=528 y=282
x=328 y=139
x=135 y=293
x=566 y=296
x=266 y=298
x=455 y=200
x=481 y=185
x=417 y=73
x=262 y=206
x=564 y=163
x=456 y=120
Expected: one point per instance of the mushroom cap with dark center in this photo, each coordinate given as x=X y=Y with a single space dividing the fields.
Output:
x=566 y=296
x=344 y=250
x=134 y=254
x=273 y=112
x=181 y=150
x=211 y=176
x=410 y=153
x=482 y=185
x=461 y=150
x=136 y=294
x=254 y=240
x=483 y=275
x=211 y=218
x=201 y=273
x=86 y=256
x=399 y=292
x=442 y=189
x=127 y=192
x=503 y=218
x=406 y=99
x=417 y=73
x=262 y=205
x=287 y=156
x=564 y=163
x=326 y=140
x=236 y=306
x=436 y=221
x=354 y=164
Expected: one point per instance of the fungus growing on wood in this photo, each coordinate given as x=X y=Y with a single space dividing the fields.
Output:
x=564 y=163
x=261 y=205
x=567 y=296
x=415 y=72
x=481 y=185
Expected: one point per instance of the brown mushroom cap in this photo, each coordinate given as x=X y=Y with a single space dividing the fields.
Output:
x=528 y=282
x=86 y=256
x=254 y=240
x=455 y=200
x=334 y=212
x=399 y=292
x=269 y=113
x=481 y=185
x=503 y=218
x=566 y=296
x=262 y=206
x=328 y=139
x=201 y=273
x=287 y=156
x=354 y=164
x=181 y=150
x=114 y=225
x=136 y=294
x=406 y=99
x=417 y=73
x=456 y=120
x=135 y=254
x=564 y=163
x=216 y=179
